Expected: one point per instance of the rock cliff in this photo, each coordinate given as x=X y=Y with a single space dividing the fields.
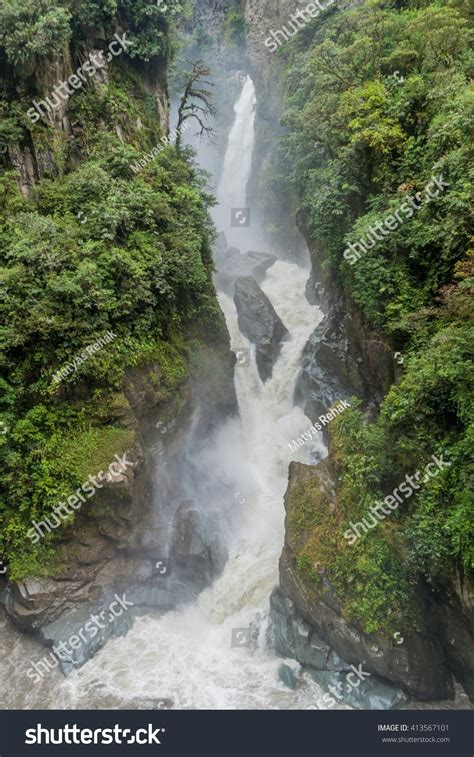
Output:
x=344 y=356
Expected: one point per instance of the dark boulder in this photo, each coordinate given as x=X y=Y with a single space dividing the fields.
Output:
x=195 y=558
x=291 y=636
x=259 y=322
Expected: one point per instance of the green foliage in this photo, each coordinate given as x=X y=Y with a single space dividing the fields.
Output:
x=89 y=13
x=235 y=27
x=377 y=105
x=33 y=27
x=148 y=25
x=429 y=412
x=44 y=28
x=378 y=102
x=95 y=248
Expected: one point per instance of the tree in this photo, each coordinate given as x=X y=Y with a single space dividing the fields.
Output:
x=200 y=110
x=33 y=27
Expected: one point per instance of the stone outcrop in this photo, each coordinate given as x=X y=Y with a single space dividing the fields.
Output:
x=456 y=618
x=120 y=534
x=196 y=558
x=292 y=637
x=342 y=358
x=232 y=265
x=422 y=666
x=34 y=158
x=259 y=322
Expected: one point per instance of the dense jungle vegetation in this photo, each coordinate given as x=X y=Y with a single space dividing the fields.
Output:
x=379 y=101
x=94 y=247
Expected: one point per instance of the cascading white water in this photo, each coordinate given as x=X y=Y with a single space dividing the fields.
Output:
x=186 y=656
x=238 y=157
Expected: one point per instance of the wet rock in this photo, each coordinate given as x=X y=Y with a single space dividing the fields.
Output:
x=455 y=610
x=259 y=322
x=287 y=676
x=188 y=547
x=77 y=635
x=342 y=357
x=280 y=632
x=291 y=636
x=324 y=377
x=368 y=694
x=195 y=558
x=232 y=265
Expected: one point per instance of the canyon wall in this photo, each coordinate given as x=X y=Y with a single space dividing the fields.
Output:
x=345 y=357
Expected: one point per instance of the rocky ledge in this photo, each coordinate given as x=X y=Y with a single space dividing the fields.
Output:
x=309 y=624
x=292 y=637
x=342 y=358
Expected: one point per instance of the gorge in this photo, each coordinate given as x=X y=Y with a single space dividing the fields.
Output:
x=227 y=541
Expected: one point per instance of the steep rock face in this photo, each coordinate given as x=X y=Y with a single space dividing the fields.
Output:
x=33 y=158
x=260 y=323
x=419 y=666
x=196 y=558
x=291 y=636
x=341 y=358
x=108 y=542
x=456 y=617
x=262 y=18
x=344 y=353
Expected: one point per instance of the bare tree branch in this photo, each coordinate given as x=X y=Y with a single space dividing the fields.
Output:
x=195 y=82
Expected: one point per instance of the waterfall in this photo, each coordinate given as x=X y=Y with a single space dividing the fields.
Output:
x=186 y=656
x=238 y=157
